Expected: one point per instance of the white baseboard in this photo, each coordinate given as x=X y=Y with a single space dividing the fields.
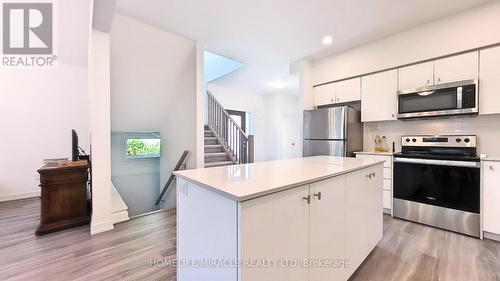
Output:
x=491 y=236
x=96 y=228
x=119 y=216
x=17 y=196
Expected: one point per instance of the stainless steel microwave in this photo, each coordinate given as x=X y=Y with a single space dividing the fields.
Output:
x=457 y=98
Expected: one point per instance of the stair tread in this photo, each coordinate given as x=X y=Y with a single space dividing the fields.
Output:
x=221 y=163
x=216 y=154
x=213 y=145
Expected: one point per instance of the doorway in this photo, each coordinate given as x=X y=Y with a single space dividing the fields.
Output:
x=239 y=117
x=288 y=136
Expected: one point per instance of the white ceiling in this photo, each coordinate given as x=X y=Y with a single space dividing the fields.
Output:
x=267 y=35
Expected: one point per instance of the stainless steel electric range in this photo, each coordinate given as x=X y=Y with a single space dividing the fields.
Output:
x=437 y=182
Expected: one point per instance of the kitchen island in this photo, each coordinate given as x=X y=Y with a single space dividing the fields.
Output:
x=314 y=218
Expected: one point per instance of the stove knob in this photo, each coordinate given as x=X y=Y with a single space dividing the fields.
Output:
x=466 y=140
x=414 y=140
x=407 y=140
x=458 y=139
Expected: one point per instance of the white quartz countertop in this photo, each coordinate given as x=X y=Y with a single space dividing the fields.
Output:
x=374 y=153
x=248 y=181
x=491 y=158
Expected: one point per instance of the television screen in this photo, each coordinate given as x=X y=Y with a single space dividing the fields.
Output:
x=143 y=148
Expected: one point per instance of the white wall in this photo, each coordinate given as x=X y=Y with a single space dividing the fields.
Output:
x=39 y=107
x=471 y=29
x=99 y=81
x=280 y=106
x=136 y=180
x=153 y=88
x=236 y=99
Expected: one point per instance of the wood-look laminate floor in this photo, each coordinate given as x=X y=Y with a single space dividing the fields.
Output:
x=122 y=254
x=408 y=251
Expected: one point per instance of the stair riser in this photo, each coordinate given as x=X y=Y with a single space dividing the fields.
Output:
x=214 y=150
x=210 y=142
x=211 y=159
x=209 y=134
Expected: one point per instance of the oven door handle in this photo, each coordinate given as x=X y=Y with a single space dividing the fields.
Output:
x=466 y=164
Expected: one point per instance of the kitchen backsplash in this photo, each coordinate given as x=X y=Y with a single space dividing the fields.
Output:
x=486 y=127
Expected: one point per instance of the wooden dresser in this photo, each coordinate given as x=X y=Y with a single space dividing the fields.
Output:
x=64 y=196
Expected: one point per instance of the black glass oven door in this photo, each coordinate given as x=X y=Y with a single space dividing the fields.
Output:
x=445 y=186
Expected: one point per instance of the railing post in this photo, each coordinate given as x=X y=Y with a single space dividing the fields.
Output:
x=250 y=149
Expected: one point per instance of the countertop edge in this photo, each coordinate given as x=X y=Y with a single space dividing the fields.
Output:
x=277 y=189
x=491 y=159
x=374 y=153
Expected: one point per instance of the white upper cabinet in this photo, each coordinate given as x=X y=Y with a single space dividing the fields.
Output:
x=450 y=69
x=489 y=90
x=491 y=180
x=379 y=96
x=416 y=76
x=456 y=68
x=348 y=90
x=324 y=94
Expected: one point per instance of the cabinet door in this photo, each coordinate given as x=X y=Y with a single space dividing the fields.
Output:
x=348 y=90
x=489 y=90
x=364 y=211
x=327 y=231
x=379 y=96
x=416 y=76
x=275 y=226
x=456 y=68
x=324 y=94
x=491 y=197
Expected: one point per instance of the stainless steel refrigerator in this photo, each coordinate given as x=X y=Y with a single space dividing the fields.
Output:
x=336 y=131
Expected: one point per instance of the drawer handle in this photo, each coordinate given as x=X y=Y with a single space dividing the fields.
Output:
x=307 y=199
x=318 y=195
x=370 y=176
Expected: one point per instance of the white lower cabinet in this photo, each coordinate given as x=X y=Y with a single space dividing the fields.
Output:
x=491 y=197
x=337 y=220
x=363 y=188
x=387 y=183
x=275 y=227
x=327 y=213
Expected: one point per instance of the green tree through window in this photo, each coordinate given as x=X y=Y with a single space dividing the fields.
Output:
x=137 y=148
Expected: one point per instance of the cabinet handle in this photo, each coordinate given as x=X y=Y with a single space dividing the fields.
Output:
x=318 y=195
x=307 y=199
x=428 y=81
x=491 y=168
x=439 y=79
x=370 y=176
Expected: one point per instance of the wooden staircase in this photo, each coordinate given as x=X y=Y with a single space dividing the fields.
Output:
x=215 y=155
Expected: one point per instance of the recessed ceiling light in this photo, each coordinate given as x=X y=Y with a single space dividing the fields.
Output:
x=327 y=40
x=277 y=84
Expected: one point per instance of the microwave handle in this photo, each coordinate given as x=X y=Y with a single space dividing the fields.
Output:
x=459 y=97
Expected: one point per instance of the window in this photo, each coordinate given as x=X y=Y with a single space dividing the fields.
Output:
x=143 y=147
